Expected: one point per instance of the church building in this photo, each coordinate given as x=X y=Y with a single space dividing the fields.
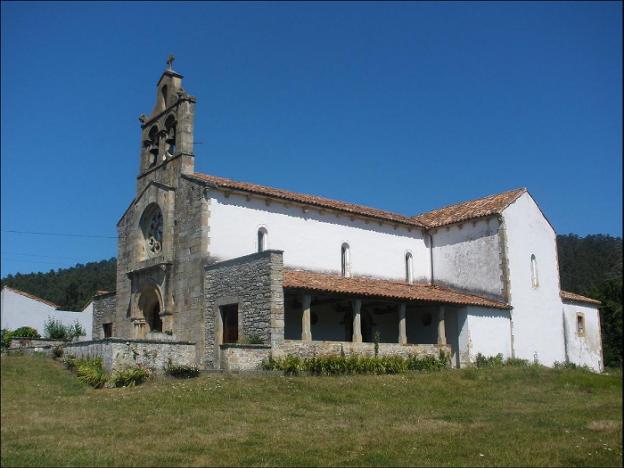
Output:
x=240 y=271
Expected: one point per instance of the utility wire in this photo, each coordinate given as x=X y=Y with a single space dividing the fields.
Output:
x=66 y=234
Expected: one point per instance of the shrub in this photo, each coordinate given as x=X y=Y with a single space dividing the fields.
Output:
x=57 y=352
x=6 y=336
x=181 y=371
x=69 y=361
x=129 y=377
x=90 y=372
x=54 y=329
x=489 y=361
x=354 y=364
x=25 y=332
x=570 y=366
x=517 y=362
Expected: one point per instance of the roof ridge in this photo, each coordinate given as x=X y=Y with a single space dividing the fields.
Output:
x=519 y=189
x=31 y=296
x=315 y=199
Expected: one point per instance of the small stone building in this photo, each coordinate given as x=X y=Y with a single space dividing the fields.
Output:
x=241 y=270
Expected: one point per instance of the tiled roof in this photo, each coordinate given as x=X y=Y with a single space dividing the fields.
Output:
x=362 y=286
x=486 y=206
x=570 y=296
x=31 y=296
x=313 y=200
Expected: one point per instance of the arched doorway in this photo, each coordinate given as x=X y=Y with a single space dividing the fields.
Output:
x=150 y=306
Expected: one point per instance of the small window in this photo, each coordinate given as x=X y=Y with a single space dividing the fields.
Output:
x=409 y=265
x=229 y=320
x=345 y=261
x=580 y=324
x=163 y=90
x=534 y=279
x=108 y=330
x=263 y=237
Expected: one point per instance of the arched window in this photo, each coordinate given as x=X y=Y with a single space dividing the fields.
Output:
x=345 y=260
x=170 y=138
x=152 y=228
x=409 y=267
x=154 y=140
x=534 y=278
x=163 y=90
x=263 y=238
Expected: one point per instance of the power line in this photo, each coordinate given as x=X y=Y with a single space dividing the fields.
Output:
x=65 y=234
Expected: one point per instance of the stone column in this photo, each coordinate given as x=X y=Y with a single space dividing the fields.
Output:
x=402 y=326
x=441 y=330
x=306 y=334
x=357 y=322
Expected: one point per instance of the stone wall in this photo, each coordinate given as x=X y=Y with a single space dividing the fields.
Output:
x=243 y=357
x=326 y=348
x=119 y=354
x=103 y=312
x=33 y=345
x=254 y=283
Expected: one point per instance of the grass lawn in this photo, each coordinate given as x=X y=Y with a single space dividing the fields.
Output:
x=486 y=417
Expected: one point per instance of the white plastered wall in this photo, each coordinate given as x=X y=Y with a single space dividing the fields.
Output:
x=21 y=311
x=466 y=256
x=584 y=349
x=479 y=330
x=536 y=316
x=312 y=240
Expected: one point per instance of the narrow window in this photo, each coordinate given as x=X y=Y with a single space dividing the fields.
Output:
x=229 y=320
x=534 y=280
x=580 y=324
x=108 y=330
x=345 y=261
x=409 y=276
x=163 y=90
x=262 y=239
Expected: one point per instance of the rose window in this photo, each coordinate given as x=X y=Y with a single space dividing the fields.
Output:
x=154 y=234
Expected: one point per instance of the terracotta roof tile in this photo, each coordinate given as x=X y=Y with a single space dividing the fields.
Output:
x=485 y=206
x=313 y=200
x=570 y=296
x=383 y=288
x=31 y=296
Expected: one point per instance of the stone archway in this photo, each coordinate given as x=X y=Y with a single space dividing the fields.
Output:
x=150 y=306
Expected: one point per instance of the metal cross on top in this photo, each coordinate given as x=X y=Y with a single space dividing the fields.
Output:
x=170 y=60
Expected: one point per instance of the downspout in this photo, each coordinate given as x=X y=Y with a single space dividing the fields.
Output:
x=565 y=335
x=430 y=258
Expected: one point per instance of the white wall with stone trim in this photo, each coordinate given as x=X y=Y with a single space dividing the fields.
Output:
x=490 y=331
x=536 y=317
x=466 y=256
x=584 y=349
x=313 y=240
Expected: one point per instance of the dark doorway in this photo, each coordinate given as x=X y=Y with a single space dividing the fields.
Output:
x=155 y=322
x=229 y=318
x=108 y=330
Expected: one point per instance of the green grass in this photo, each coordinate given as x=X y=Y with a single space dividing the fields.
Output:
x=476 y=417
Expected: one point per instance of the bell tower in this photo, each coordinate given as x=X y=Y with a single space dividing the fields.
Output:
x=167 y=133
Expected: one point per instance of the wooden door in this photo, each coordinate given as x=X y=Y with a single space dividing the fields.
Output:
x=229 y=315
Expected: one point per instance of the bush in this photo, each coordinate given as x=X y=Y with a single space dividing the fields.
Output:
x=57 y=352
x=181 y=371
x=6 y=336
x=570 y=366
x=489 y=361
x=69 y=361
x=517 y=362
x=354 y=364
x=25 y=332
x=90 y=372
x=129 y=377
x=55 y=330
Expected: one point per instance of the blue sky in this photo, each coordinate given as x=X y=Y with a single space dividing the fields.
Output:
x=400 y=106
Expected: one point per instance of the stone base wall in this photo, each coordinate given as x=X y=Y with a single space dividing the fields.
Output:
x=119 y=354
x=33 y=345
x=243 y=357
x=326 y=348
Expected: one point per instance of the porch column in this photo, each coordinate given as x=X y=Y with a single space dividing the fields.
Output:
x=441 y=330
x=357 y=322
x=402 y=327
x=306 y=334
